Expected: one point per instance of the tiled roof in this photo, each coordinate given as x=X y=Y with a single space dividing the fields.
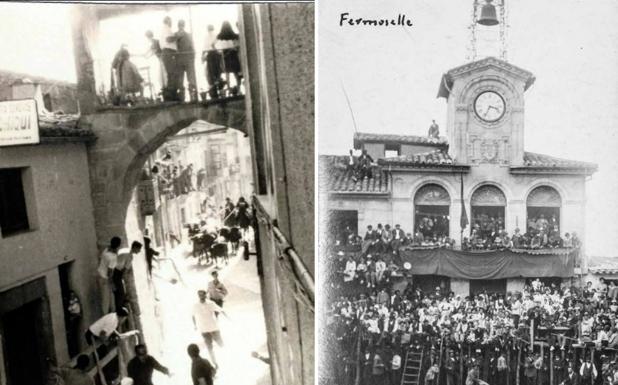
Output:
x=534 y=160
x=339 y=179
x=402 y=139
x=431 y=158
x=603 y=265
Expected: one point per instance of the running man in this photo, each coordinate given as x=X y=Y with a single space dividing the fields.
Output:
x=205 y=321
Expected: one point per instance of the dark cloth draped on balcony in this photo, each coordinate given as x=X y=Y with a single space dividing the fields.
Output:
x=490 y=264
x=130 y=78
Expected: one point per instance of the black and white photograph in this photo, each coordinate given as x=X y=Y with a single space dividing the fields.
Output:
x=156 y=193
x=466 y=179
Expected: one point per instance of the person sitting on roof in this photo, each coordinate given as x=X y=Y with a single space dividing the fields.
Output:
x=351 y=161
x=434 y=130
x=364 y=164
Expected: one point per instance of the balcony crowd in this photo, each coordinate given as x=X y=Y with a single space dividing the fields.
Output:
x=432 y=231
x=176 y=54
x=488 y=234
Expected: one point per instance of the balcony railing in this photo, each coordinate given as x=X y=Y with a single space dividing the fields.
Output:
x=221 y=66
x=287 y=256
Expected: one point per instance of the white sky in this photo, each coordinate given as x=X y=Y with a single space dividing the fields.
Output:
x=392 y=74
x=36 y=38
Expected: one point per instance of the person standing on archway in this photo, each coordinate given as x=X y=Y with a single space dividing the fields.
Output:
x=169 y=51
x=213 y=60
x=185 y=62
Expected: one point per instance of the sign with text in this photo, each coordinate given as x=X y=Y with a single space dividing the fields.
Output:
x=19 y=122
x=146 y=196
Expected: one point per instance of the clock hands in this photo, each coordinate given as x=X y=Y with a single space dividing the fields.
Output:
x=490 y=108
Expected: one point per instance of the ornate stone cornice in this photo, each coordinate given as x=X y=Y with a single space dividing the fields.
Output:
x=492 y=62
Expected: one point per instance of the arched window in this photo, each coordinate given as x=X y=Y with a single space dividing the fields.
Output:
x=431 y=211
x=488 y=205
x=543 y=210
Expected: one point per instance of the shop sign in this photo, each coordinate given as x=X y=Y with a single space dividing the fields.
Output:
x=19 y=122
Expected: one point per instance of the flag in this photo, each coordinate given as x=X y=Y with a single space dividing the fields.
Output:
x=463 y=222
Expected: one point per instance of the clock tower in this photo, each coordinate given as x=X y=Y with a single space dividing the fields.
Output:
x=485 y=112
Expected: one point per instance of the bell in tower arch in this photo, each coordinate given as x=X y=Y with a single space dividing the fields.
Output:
x=488 y=15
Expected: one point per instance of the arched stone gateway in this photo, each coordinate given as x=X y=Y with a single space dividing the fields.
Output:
x=125 y=139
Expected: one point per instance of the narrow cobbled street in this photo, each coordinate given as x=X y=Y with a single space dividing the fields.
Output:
x=242 y=331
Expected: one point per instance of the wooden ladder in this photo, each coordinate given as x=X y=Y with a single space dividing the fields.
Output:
x=412 y=368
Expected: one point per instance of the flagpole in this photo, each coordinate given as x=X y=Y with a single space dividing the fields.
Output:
x=463 y=220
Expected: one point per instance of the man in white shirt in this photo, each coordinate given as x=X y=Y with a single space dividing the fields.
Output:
x=106 y=326
x=213 y=59
x=123 y=266
x=205 y=321
x=169 y=49
x=107 y=263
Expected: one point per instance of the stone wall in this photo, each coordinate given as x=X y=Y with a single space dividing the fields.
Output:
x=62 y=229
x=278 y=53
x=125 y=140
x=399 y=207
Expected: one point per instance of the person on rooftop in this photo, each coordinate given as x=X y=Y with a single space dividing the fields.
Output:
x=434 y=130
x=185 y=62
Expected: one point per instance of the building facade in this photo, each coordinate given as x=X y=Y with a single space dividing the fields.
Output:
x=482 y=166
x=45 y=253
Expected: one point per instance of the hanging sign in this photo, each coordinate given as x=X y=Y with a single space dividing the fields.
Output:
x=146 y=196
x=19 y=122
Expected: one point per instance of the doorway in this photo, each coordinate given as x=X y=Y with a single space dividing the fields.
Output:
x=342 y=224
x=24 y=342
x=71 y=320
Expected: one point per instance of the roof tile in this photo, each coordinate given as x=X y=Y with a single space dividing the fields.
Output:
x=432 y=158
x=339 y=179
x=535 y=160
x=402 y=139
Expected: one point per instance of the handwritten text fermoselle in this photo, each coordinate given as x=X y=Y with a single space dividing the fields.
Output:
x=400 y=20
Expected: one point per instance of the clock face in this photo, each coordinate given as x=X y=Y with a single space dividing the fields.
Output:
x=489 y=106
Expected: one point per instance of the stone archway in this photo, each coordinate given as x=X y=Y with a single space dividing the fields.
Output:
x=125 y=139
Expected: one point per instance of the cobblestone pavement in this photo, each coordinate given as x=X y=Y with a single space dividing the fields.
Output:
x=243 y=332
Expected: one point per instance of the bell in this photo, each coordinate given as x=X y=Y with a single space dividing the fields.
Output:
x=488 y=15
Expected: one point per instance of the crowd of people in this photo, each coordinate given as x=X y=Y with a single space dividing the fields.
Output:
x=176 y=54
x=378 y=314
x=174 y=179
x=120 y=320
x=385 y=239
x=483 y=336
x=432 y=231
x=488 y=234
